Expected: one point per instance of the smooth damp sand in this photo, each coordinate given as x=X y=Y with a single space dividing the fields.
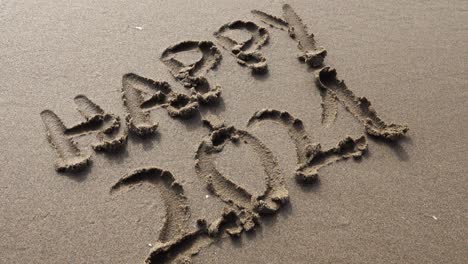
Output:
x=404 y=201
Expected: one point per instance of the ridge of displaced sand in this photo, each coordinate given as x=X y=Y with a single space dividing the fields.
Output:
x=331 y=89
x=193 y=76
x=158 y=95
x=247 y=52
x=270 y=20
x=110 y=134
x=310 y=156
x=231 y=193
x=177 y=214
x=360 y=107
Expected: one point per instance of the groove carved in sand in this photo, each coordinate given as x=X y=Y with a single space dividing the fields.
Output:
x=178 y=242
x=140 y=95
x=182 y=248
x=311 y=54
x=107 y=128
x=360 y=107
x=310 y=156
x=246 y=52
x=270 y=20
x=192 y=76
x=233 y=194
x=243 y=211
x=177 y=210
x=175 y=240
x=331 y=89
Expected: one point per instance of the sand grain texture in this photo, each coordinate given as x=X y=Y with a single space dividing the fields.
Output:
x=222 y=132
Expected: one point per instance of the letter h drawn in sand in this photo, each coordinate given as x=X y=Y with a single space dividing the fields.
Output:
x=110 y=133
x=140 y=96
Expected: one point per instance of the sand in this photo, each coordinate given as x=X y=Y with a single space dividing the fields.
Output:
x=233 y=132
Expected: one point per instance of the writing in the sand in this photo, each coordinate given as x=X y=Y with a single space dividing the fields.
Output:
x=142 y=95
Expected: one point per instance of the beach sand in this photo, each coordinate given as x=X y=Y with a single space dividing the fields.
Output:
x=194 y=176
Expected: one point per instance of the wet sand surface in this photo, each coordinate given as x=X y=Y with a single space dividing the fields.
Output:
x=115 y=152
